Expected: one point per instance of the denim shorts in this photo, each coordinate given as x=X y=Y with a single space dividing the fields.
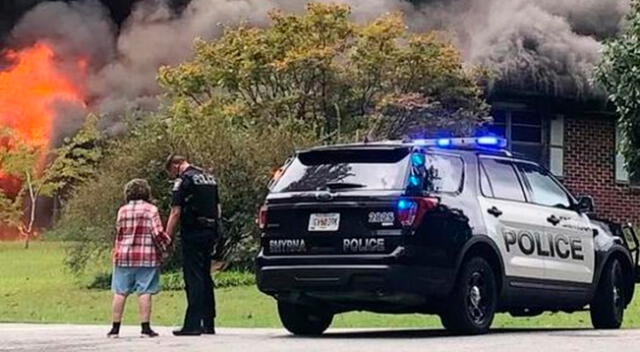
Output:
x=139 y=280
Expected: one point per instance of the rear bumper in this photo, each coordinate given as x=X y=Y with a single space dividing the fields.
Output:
x=352 y=278
x=370 y=282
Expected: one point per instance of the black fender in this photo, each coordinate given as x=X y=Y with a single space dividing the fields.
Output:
x=483 y=242
x=603 y=257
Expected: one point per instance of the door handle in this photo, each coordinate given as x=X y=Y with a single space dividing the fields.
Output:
x=494 y=211
x=554 y=220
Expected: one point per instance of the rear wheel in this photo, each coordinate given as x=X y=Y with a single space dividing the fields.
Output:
x=473 y=302
x=607 y=308
x=303 y=320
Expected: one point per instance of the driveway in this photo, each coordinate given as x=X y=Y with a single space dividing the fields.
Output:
x=31 y=337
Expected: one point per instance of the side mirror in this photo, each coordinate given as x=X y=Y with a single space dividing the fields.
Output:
x=585 y=204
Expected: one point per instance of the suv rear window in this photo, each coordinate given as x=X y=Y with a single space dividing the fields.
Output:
x=351 y=169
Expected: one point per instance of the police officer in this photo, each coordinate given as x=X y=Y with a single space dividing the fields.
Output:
x=196 y=207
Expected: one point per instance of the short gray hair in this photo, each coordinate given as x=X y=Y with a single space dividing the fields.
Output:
x=137 y=189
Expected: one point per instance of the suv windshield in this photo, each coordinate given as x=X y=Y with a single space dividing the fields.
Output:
x=352 y=169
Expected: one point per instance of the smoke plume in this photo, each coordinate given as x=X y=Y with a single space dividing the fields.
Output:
x=537 y=46
x=540 y=46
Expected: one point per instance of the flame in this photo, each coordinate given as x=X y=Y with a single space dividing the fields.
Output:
x=28 y=89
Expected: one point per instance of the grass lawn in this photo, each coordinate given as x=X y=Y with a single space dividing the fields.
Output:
x=35 y=287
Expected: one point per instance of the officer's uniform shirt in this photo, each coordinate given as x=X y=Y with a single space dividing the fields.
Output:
x=196 y=192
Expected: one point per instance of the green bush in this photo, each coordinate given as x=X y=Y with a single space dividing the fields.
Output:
x=242 y=159
x=101 y=281
x=88 y=218
x=174 y=282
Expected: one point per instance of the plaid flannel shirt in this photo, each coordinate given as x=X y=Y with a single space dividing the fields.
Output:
x=140 y=238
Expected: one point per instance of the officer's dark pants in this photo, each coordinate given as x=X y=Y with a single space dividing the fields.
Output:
x=196 y=256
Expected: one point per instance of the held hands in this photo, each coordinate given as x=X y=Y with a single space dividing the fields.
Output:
x=166 y=248
x=218 y=265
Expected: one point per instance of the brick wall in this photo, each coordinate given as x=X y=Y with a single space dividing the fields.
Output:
x=589 y=169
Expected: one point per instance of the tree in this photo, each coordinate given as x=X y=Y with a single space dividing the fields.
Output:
x=619 y=74
x=43 y=174
x=326 y=72
x=11 y=211
x=76 y=160
x=20 y=160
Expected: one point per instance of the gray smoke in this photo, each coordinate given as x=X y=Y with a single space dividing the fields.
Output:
x=538 y=46
x=542 y=46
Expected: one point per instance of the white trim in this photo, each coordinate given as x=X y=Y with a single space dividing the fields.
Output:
x=622 y=175
x=556 y=145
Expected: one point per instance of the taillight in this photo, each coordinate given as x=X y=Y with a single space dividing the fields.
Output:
x=411 y=210
x=262 y=217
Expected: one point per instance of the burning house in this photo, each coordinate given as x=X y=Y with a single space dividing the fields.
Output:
x=543 y=100
x=541 y=53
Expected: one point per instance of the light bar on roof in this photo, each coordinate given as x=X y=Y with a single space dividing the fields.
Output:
x=464 y=142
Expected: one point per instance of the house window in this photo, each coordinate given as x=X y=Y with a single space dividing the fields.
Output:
x=556 y=145
x=524 y=131
x=622 y=175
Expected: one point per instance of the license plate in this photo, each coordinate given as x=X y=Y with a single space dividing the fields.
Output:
x=324 y=222
x=382 y=217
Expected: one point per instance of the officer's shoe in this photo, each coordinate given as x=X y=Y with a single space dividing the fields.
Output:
x=183 y=332
x=209 y=331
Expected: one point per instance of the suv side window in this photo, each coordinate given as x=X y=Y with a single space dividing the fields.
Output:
x=444 y=173
x=544 y=189
x=502 y=180
x=485 y=186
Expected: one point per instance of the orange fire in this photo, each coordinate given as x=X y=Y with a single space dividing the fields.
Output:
x=29 y=88
x=31 y=82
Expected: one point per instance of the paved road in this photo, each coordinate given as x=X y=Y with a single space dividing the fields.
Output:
x=27 y=337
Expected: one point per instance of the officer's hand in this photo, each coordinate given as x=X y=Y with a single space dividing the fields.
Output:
x=218 y=265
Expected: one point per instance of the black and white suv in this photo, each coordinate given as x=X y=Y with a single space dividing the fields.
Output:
x=454 y=227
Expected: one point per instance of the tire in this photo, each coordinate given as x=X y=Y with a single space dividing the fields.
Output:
x=607 y=308
x=473 y=302
x=303 y=320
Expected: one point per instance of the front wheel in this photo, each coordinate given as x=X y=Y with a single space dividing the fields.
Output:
x=303 y=320
x=607 y=308
x=473 y=302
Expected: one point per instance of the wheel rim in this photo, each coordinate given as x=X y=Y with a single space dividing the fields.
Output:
x=618 y=292
x=478 y=299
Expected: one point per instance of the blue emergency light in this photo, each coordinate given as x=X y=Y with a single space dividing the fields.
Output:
x=417 y=159
x=464 y=142
x=490 y=141
x=414 y=181
x=404 y=204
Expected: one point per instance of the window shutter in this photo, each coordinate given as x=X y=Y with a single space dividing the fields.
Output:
x=621 y=172
x=556 y=146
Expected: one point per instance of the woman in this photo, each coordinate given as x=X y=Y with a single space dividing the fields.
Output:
x=137 y=254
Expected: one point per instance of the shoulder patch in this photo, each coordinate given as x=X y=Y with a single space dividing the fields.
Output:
x=176 y=184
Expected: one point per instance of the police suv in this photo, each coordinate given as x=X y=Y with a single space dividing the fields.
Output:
x=455 y=227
